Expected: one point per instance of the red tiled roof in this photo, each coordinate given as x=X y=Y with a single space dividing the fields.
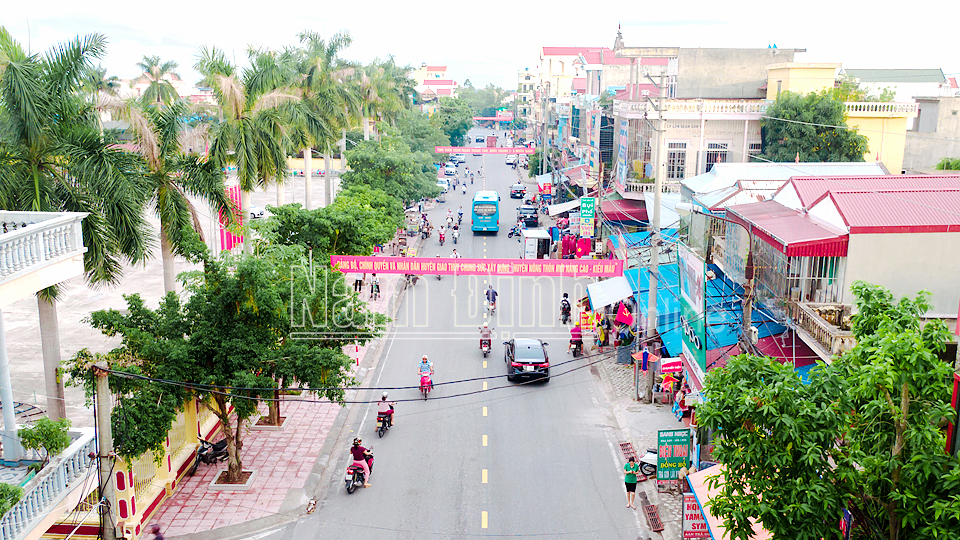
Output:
x=953 y=82
x=444 y=91
x=580 y=84
x=565 y=51
x=605 y=56
x=810 y=189
x=436 y=68
x=791 y=232
x=624 y=210
x=438 y=82
x=648 y=61
x=898 y=211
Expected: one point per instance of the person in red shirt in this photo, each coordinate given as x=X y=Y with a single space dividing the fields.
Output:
x=360 y=457
x=576 y=335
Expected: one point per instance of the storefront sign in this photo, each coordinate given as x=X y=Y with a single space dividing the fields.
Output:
x=588 y=214
x=692 y=306
x=574 y=221
x=671 y=365
x=477 y=267
x=694 y=524
x=621 y=178
x=673 y=453
x=586 y=320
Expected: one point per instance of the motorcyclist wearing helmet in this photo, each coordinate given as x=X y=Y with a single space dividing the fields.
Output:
x=362 y=458
x=425 y=366
x=576 y=335
x=486 y=334
x=385 y=408
x=492 y=297
x=565 y=307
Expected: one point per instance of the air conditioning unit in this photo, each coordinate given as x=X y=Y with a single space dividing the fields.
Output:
x=753 y=334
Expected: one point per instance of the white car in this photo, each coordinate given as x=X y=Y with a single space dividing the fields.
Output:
x=511 y=159
x=443 y=184
x=449 y=170
x=459 y=158
x=256 y=212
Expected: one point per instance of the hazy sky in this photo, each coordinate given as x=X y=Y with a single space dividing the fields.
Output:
x=488 y=41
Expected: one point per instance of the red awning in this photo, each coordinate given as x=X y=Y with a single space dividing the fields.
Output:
x=624 y=210
x=791 y=232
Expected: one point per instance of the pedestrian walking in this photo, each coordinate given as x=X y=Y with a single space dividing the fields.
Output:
x=374 y=287
x=630 y=470
x=358 y=282
x=155 y=531
x=420 y=205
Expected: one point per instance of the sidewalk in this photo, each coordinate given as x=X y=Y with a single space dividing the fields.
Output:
x=284 y=460
x=639 y=423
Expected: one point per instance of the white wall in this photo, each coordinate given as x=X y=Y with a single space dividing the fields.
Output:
x=906 y=264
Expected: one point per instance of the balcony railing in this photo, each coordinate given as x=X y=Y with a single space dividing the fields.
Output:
x=697 y=106
x=32 y=240
x=819 y=325
x=635 y=186
x=43 y=492
x=881 y=107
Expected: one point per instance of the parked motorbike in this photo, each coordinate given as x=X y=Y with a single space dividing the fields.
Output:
x=209 y=453
x=485 y=347
x=648 y=462
x=355 y=477
x=426 y=384
x=384 y=422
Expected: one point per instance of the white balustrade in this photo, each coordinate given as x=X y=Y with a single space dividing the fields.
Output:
x=44 y=491
x=881 y=107
x=30 y=240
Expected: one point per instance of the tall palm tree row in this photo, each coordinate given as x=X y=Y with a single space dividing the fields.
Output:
x=157 y=73
x=253 y=133
x=53 y=159
x=173 y=174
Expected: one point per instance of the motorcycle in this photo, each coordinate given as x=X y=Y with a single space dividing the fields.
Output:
x=426 y=384
x=209 y=453
x=442 y=238
x=384 y=422
x=355 y=475
x=515 y=231
x=456 y=234
x=412 y=279
x=648 y=462
x=565 y=313
x=485 y=347
x=577 y=348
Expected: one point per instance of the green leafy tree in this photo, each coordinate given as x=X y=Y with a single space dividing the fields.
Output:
x=813 y=126
x=484 y=101
x=535 y=159
x=47 y=437
x=421 y=135
x=9 y=496
x=848 y=89
x=229 y=345
x=157 y=73
x=358 y=219
x=54 y=159
x=867 y=434
x=948 y=164
x=454 y=117
x=388 y=165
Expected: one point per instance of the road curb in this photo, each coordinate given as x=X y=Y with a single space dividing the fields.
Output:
x=313 y=487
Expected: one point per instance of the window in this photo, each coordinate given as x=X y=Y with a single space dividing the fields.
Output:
x=716 y=153
x=676 y=160
x=753 y=149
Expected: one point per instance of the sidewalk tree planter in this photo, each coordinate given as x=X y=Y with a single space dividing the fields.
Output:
x=230 y=345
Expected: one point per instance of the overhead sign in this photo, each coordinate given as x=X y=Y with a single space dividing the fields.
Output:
x=477 y=267
x=694 y=524
x=483 y=150
x=673 y=453
x=588 y=214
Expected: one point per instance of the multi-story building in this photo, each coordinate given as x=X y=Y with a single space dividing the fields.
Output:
x=432 y=84
x=528 y=83
x=935 y=134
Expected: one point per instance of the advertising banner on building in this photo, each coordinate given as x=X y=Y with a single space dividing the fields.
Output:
x=588 y=215
x=673 y=451
x=694 y=525
x=477 y=267
x=693 y=307
x=484 y=150
x=622 y=167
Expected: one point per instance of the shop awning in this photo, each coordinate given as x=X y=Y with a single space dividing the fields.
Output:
x=557 y=209
x=624 y=210
x=608 y=291
x=791 y=232
x=698 y=483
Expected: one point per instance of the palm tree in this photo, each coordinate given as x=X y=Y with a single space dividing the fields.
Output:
x=328 y=103
x=53 y=159
x=158 y=74
x=173 y=174
x=252 y=134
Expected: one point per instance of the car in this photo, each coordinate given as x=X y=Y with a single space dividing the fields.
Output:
x=256 y=212
x=449 y=170
x=517 y=191
x=458 y=158
x=443 y=185
x=481 y=138
x=529 y=216
x=511 y=159
x=526 y=358
x=478 y=154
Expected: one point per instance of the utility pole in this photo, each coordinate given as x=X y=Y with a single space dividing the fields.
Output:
x=105 y=457
x=654 y=245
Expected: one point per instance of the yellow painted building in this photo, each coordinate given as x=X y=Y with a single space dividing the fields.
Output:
x=883 y=124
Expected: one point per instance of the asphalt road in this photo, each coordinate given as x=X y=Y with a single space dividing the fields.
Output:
x=482 y=456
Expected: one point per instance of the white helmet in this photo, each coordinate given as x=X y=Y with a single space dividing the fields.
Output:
x=384 y=395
